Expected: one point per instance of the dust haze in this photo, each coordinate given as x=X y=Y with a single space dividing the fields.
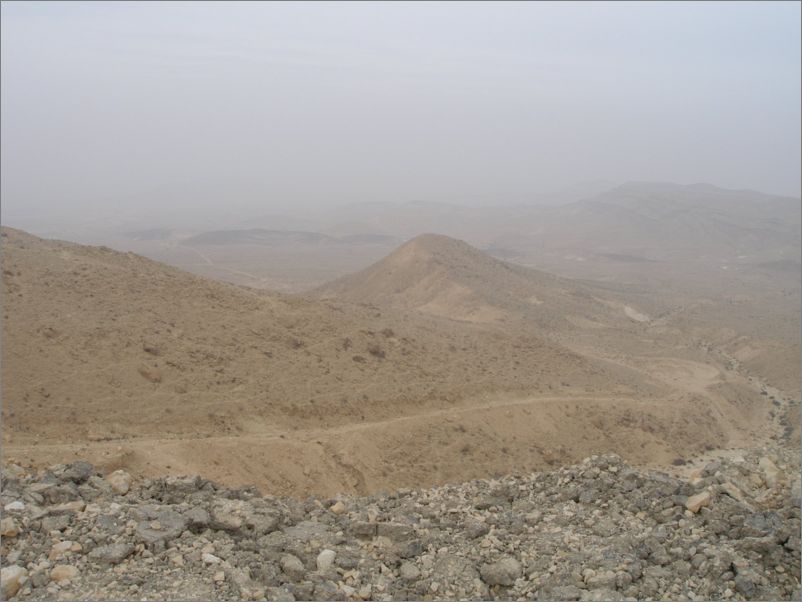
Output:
x=152 y=112
x=377 y=301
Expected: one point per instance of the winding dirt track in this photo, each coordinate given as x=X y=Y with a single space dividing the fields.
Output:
x=422 y=449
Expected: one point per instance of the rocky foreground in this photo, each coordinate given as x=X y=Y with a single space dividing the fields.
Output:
x=600 y=530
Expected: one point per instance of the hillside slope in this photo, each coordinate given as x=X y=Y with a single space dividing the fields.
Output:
x=442 y=276
x=130 y=363
x=110 y=344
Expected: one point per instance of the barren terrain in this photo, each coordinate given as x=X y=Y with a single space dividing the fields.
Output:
x=438 y=365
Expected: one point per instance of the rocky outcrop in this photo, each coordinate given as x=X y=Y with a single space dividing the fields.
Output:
x=599 y=530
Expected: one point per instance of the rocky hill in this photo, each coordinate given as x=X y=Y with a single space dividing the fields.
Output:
x=443 y=276
x=599 y=530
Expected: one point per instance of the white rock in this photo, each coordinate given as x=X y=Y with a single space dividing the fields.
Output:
x=210 y=559
x=771 y=473
x=12 y=579
x=338 y=508
x=325 y=560
x=120 y=481
x=15 y=506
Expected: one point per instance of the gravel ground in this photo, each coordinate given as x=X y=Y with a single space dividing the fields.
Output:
x=599 y=530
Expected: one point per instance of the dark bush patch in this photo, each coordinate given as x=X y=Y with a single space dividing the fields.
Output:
x=376 y=351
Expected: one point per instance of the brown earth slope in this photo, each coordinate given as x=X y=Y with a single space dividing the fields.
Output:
x=113 y=345
x=128 y=362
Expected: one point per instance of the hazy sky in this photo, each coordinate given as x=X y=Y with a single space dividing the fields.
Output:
x=117 y=107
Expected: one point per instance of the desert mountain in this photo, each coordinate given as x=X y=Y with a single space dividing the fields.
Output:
x=652 y=220
x=130 y=363
x=664 y=221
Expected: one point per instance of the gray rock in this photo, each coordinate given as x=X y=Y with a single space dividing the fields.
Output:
x=227 y=515
x=745 y=586
x=108 y=527
x=303 y=590
x=409 y=572
x=796 y=492
x=602 y=580
x=363 y=530
x=78 y=472
x=306 y=531
x=451 y=570
x=501 y=572
x=279 y=594
x=408 y=549
x=197 y=519
x=166 y=526
x=111 y=554
x=263 y=522
x=56 y=523
x=179 y=489
x=327 y=590
x=346 y=561
x=245 y=588
x=475 y=529
x=600 y=595
x=99 y=483
x=395 y=531
x=293 y=567
x=560 y=593
x=59 y=494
